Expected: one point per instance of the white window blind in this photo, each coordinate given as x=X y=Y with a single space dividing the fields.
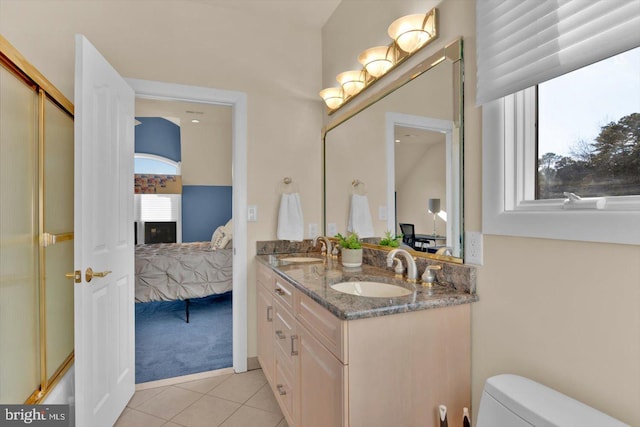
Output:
x=158 y=207
x=525 y=42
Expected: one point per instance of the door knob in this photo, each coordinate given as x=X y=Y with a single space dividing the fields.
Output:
x=90 y=274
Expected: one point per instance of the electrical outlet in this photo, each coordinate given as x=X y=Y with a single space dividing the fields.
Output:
x=332 y=230
x=473 y=247
x=252 y=213
x=313 y=230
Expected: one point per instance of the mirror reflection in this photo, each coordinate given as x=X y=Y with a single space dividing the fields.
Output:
x=405 y=151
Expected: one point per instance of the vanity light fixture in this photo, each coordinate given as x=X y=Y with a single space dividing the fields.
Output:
x=409 y=33
x=352 y=82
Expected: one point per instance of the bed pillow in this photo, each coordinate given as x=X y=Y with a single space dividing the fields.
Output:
x=220 y=238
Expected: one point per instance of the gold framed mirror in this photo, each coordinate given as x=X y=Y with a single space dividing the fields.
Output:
x=404 y=144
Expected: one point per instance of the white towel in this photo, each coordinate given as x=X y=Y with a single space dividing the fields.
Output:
x=360 y=217
x=290 y=221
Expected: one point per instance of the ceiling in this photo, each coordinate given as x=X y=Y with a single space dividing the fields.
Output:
x=181 y=113
x=309 y=13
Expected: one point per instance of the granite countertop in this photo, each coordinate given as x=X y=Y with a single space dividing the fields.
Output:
x=315 y=279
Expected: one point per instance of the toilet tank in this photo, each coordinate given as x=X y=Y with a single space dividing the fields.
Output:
x=514 y=401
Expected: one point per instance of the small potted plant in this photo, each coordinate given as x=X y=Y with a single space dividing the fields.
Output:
x=351 y=250
x=388 y=240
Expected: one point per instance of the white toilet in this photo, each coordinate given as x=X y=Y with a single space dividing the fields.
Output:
x=514 y=401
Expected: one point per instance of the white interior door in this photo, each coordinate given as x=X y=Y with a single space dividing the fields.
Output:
x=104 y=318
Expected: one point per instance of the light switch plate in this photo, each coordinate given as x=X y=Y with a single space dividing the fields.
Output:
x=332 y=230
x=473 y=247
x=382 y=213
x=252 y=213
x=313 y=230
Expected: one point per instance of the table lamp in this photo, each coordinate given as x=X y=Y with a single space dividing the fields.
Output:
x=434 y=208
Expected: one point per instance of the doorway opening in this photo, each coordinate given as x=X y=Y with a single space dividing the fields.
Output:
x=183 y=274
x=235 y=103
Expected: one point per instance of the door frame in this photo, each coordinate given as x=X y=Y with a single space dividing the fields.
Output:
x=392 y=120
x=238 y=102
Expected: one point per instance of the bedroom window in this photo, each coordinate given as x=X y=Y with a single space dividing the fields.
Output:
x=155 y=165
x=162 y=209
x=535 y=148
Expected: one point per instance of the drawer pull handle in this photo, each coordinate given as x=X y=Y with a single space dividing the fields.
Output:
x=294 y=352
x=281 y=390
x=279 y=292
x=269 y=314
x=280 y=335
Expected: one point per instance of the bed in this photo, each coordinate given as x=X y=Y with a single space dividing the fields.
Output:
x=181 y=271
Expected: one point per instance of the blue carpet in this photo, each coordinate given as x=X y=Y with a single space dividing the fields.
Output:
x=167 y=346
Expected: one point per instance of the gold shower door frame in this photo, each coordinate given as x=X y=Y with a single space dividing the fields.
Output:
x=54 y=178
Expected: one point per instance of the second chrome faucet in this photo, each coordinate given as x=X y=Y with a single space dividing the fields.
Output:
x=412 y=269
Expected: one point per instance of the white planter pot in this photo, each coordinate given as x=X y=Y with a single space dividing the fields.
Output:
x=351 y=257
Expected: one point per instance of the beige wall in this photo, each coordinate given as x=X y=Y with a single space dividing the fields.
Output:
x=206 y=150
x=277 y=63
x=566 y=314
x=426 y=180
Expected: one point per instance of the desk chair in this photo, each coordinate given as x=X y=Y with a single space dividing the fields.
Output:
x=408 y=234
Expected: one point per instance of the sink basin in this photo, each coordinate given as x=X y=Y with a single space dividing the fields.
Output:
x=301 y=259
x=371 y=289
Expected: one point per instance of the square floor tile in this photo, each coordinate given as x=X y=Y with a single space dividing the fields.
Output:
x=169 y=402
x=265 y=400
x=141 y=396
x=252 y=417
x=205 y=385
x=206 y=412
x=240 y=387
x=132 y=418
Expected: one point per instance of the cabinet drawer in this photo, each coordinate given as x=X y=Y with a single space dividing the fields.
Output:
x=265 y=276
x=284 y=331
x=326 y=327
x=283 y=292
x=285 y=391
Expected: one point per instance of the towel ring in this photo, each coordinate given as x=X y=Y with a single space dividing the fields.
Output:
x=287 y=186
x=358 y=187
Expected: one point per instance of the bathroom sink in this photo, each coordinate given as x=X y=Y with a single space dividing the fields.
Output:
x=301 y=259
x=371 y=289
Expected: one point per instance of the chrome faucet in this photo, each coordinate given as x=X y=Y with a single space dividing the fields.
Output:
x=326 y=243
x=412 y=270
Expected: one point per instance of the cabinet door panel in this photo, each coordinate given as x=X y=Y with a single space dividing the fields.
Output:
x=265 y=332
x=322 y=384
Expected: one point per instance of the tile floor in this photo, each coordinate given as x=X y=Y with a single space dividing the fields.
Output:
x=233 y=400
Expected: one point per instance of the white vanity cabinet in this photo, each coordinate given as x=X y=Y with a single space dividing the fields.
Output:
x=391 y=370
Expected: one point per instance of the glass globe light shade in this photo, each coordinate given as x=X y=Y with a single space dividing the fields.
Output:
x=377 y=60
x=332 y=96
x=352 y=82
x=411 y=32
